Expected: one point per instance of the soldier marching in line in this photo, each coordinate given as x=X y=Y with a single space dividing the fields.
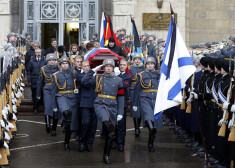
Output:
x=45 y=82
x=65 y=98
x=109 y=103
x=145 y=97
x=136 y=68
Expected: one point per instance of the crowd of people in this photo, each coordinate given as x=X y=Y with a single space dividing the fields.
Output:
x=82 y=97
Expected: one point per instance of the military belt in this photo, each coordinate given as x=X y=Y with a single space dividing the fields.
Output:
x=66 y=91
x=106 y=96
x=48 y=83
x=149 y=90
x=133 y=83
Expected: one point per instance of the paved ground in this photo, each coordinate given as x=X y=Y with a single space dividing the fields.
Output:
x=34 y=148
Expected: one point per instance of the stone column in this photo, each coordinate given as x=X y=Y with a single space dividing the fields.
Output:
x=122 y=9
x=5 y=18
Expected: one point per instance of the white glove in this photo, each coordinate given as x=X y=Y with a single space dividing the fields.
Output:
x=135 y=108
x=0 y=156
x=117 y=71
x=119 y=117
x=225 y=105
x=4 y=113
x=38 y=98
x=14 y=108
x=3 y=124
x=97 y=68
x=12 y=95
x=14 y=117
x=189 y=99
x=189 y=90
x=21 y=88
x=10 y=125
x=195 y=96
x=55 y=109
x=222 y=120
x=233 y=109
x=230 y=124
x=8 y=107
x=22 y=84
x=13 y=87
x=5 y=145
x=6 y=136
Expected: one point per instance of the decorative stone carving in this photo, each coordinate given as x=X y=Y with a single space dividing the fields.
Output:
x=4 y=8
x=123 y=8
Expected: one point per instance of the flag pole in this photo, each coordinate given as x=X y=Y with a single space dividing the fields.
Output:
x=201 y=133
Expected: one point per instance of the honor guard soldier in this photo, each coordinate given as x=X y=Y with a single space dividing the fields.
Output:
x=191 y=122
x=230 y=50
x=34 y=68
x=121 y=129
x=94 y=38
x=65 y=98
x=145 y=97
x=231 y=125
x=136 y=68
x=204 y=61
x=11 y=38
x=109 y=103
x=224 y=91
x=27 y=41
x=151 y=45
x=89 y=119
x=45 y=82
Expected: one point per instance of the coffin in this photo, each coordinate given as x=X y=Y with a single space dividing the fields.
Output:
x=98 y=58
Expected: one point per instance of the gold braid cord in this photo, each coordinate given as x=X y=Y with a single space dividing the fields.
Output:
x=143 y=84
x=98 y=87
x=134 y=78
x=58 y=85
x=44 y=74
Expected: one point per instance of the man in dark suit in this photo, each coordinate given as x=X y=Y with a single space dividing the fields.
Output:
x=89 y=120
x=121 y=129
x=34 y=68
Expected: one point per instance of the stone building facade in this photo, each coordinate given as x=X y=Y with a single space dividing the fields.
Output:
x=197 y=20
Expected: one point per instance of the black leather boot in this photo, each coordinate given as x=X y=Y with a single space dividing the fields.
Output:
x=152 y=133
x=137 y=125
x=48 y=123
x=108 y=129
x=67 y=138
x=54 y=125
x=107 y=148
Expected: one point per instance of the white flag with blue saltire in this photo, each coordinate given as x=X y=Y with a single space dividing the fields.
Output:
x=177 y=67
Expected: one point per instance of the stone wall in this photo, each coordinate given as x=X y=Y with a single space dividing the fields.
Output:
x=5 y=18
x=122 y=9
x=211 y=20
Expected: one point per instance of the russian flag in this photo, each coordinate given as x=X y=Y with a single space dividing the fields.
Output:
x=102 y=30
